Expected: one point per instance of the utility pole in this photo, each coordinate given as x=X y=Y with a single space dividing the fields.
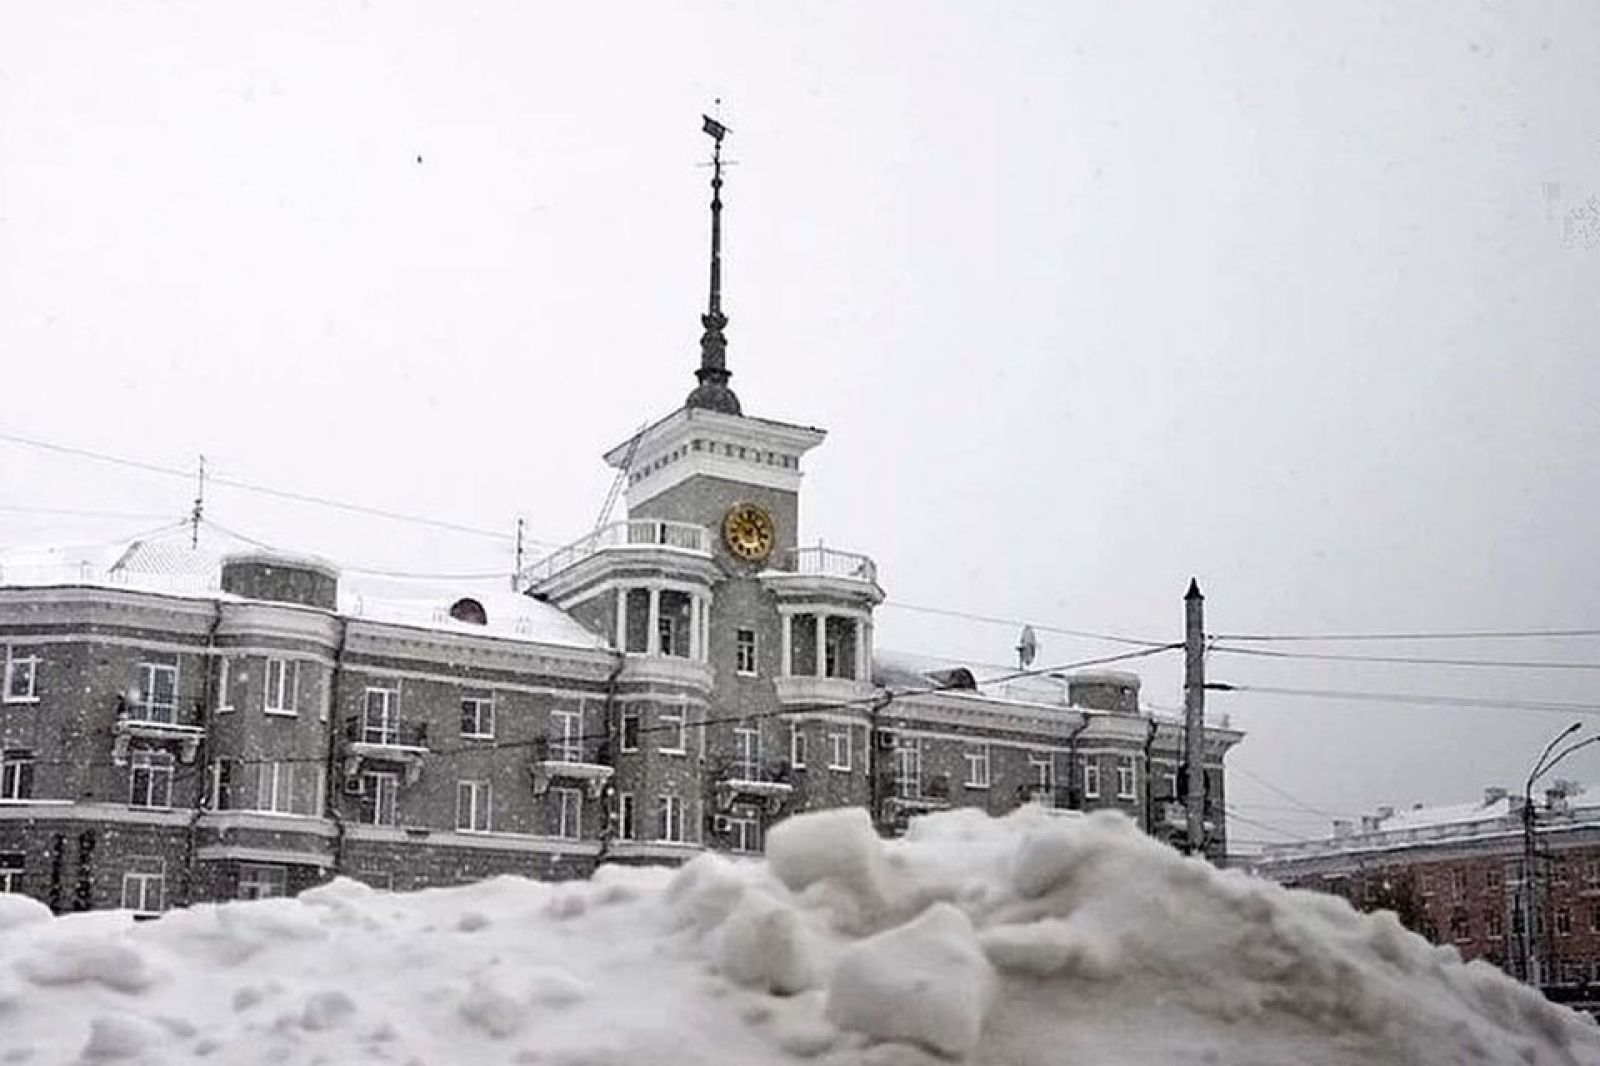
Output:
x=516 y=570
x=1194 y=716
x=197 y=515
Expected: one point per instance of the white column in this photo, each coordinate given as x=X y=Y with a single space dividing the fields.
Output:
x=861 y=650
x=786 y=667
x=705 y=629
x=652 y=637
x=822 y=644
x=622 y=619
x=696 y=649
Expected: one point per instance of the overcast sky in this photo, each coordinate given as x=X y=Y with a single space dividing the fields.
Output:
x=1091 y=298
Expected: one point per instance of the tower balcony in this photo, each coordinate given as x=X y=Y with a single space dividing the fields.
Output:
x=648 y=542
x=828 y=562
x=806 y=573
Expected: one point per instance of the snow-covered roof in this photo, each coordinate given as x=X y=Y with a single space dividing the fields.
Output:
x=170 y=564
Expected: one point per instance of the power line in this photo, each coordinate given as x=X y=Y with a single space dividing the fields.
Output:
x=1405 y=660
x=945 y=612
x=1417 y=699
x=77 y=513
x=1485 y=634
x=1284 y=793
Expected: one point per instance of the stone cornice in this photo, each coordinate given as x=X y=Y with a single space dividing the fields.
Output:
x=86 y=606
x=391 y=641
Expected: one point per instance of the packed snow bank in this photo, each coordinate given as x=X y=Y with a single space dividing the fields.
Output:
x=1019 y=941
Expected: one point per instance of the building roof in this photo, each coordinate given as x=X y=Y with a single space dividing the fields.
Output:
x=167 y=564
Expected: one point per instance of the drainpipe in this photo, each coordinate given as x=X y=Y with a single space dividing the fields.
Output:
x=1147 y=818
x=202 y=755
x=1072 y=762
x=329 y=804
x=607 y=830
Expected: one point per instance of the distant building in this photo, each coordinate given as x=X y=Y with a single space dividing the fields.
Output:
x=1457 y=876
x=182 y=725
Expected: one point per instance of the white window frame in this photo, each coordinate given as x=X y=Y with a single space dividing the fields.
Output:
x=13 y=663
x=141 y=884
x=747 y=751
x=566 y=735
x=627 y=814
x=16 y=770
x=12 y=864
x=1091 y=779
x=978 y=765
x=156 y=766
x=674 y=727
x=746 y=654
x=474 y=806
x=282 y=694
x=628 y=716
x=275 y=787
x=382 y=788
x=835 y=747
x=797 y=746
x=387 y=729
x=145 y=707
x=569 y=813
x=224 y=673
x=1127 y=778
x=482 y=704
x=262 y=880
x=669 y=823
x=744 y=834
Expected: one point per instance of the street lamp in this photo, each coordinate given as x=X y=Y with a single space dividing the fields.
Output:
x=1544 y=765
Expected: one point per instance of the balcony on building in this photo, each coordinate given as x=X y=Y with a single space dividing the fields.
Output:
x=153 y=718
x=576 y=759
x=917 y=792
x=388 y=739
x=648 y=542
x=752 y=779
x=826 y=656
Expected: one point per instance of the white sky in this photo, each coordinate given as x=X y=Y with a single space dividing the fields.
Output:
x=1303 y=302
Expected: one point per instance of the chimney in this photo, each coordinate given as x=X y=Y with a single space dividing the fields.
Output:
x=1385 y=813
x=1369 y=823
x=1342 y=829
x=1492 y=795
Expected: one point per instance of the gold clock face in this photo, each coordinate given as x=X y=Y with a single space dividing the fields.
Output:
x=748 y=531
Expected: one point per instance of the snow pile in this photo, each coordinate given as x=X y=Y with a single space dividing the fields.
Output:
x=1024 y=940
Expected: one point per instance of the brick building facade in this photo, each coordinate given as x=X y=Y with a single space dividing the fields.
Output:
x=1457 y=875
x=184 y=725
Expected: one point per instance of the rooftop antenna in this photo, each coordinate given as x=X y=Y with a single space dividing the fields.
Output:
x=198 y=513
x=713 y=393
x=516 y=572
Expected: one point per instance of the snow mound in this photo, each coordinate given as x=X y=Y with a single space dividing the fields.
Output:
x=1020 y=941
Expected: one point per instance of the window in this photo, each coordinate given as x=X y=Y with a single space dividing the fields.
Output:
x=1091 y=780
x=569 y=812
x=747 y=752
x=744 y=651
x=977 y=759
x=261 y=881
x=673 y=623
x=797 y=746
x=16 y=775
x=1563 y=922
x=671 y=822
x=144 y=886
x=744 y=833
x=275 y=787
x=567 y=739
x=1169 y=783
x=839 y=749
x=219 y=785
x=672 y=732
x=283 y=685
x=10 y=870
x=1493 y=878
x=1424 y=883
x=1494 y=925
x=156 y=697
x=908 y=769
x=380 y=793
x=472 y=806
x=1594 y=917
x=380 y=719
x=1591 y=873
x=22 y=675
x=1460 y=926
x=1458 y=882
x=150 y=779
x=1125 y=777
x=629 y=730
x=626 y=827
x=477 y=715
x=839 y=647
x=224 y=670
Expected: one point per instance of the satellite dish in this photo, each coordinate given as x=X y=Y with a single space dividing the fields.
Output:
x=1027 y=647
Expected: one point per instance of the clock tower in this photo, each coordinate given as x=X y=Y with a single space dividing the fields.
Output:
x=745 y=687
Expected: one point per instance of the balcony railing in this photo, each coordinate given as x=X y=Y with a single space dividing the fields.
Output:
x=826 y=562
x=754 y=779
x=621 y=536
x=148 y=720
x=572 y=759
x=386 y=732
x=149 y=712
x=926 y=790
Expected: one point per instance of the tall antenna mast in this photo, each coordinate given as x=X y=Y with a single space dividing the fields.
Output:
x=713 y=393
x=516 y=573
x=199 y=511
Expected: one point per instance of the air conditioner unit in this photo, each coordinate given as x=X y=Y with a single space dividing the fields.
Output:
x=722 y=824
x=354 y=786
x=886 y=741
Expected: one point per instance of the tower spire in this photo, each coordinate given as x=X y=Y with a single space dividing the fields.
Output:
x=713 y=392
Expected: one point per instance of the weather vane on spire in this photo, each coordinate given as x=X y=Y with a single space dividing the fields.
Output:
x=713 y=392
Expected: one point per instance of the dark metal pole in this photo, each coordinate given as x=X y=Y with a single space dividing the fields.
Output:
x=1194 y=715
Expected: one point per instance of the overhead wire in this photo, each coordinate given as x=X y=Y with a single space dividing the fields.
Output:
x=1485 y=634
x=1416 y=699
x=1405 y=660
